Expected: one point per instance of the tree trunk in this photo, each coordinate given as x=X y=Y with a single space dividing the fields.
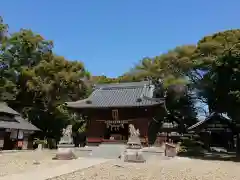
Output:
x=153 y=129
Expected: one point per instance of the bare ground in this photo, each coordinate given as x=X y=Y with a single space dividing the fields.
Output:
x=18 y=162
x=174 y=169
x=157 y=168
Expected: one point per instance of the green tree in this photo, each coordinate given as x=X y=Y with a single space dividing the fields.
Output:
x=180 y=106
x=208 y=50
x=36 y=83
x=191 y=62
x=45 y=87
x=18 y=51
x=223 y=93
x=6 y=85
x=103 y=80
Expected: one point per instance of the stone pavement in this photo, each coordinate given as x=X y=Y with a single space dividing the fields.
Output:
x=47 y=173
x=108 y=151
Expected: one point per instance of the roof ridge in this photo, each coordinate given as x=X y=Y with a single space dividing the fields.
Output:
x=117 y=95
x=122 y=85
x=118 y=88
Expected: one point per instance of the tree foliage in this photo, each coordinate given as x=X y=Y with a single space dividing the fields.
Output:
x=224 y=89
x=20 y=50
x=36 y=82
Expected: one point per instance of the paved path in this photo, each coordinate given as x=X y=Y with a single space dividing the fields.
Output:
x=47 y=173
x=108 y=151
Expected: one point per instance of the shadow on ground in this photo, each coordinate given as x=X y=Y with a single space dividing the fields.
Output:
x=210 y=155
x=195 y=149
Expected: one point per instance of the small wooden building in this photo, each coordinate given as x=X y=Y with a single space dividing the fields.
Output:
x=215 y=131
x=112 y=107
x=14 y=130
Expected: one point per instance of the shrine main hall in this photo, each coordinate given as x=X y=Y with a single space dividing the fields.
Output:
x=112 y=107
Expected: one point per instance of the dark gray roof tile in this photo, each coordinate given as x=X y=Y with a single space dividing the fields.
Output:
x=209 y=118
x=5 y=109
x=25 y=125
x=117 y=95
x=14 y=120
x=19 y=123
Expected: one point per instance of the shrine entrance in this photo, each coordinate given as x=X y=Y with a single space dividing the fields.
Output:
x=116 y=130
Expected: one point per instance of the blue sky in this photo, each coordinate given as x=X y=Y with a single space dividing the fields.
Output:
x=110 y=36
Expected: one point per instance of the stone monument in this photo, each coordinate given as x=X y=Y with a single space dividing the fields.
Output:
x=170 y=149
x=133 y=152
x=65 y=146
x=40 y=147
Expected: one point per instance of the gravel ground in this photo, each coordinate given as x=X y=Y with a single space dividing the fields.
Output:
x=158 y=169
x=17 y=162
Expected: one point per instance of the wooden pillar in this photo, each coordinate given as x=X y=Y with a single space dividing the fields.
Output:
x=209 y=139
x=206 y=139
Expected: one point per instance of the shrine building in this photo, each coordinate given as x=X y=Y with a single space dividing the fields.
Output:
x=15 y=132
x=112 y=107
x=214 y=131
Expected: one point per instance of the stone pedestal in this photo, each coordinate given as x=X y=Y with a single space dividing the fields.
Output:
x=133 y=152
x=134 y=140
x=133 y=155
x=65 y=146
x=170 y=150
x=65 y=152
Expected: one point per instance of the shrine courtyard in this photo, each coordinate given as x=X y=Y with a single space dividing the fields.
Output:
x=38 y=165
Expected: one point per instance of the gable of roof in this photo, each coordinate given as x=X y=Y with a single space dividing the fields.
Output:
x=12 y=119
x=19 y=123
x=4 y=108
x=117 y=95
x=208 y=119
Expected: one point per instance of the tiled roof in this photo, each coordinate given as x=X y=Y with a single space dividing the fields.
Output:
x=117 y=95
x=12 y=119
x=5 y=109
x=25 y=125
x=20 y=123
x=209 y=118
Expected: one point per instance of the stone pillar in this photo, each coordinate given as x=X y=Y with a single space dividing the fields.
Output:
x=65 y=146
